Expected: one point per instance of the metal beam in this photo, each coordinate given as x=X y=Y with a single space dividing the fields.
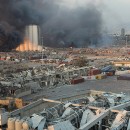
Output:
x=53 y=101
x=128 y=127
x=91 y=123
x=121 y=106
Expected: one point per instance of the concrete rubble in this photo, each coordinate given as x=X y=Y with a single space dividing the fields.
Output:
x=55 y=68
x=24 y=74
x=77 y=114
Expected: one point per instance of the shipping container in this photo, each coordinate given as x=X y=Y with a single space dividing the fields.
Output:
x=77 y=80
x=107 y=68
x=94 y=72
x=110 y=73
x=101 y=76
x=122 y=72
x=123 y=77
x=90 y=77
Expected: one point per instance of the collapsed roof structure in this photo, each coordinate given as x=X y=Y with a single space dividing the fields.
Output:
x=96 y=111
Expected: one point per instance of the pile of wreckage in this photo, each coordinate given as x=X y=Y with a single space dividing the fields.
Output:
x=106 y=51
x=14 y=88
x=26 y=82
x=32 y=80
x=106 y=111
x=36 y=78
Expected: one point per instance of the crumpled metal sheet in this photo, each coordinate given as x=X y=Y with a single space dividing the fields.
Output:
x=42 y=124
x=67 y=104
x=87 y=116
x=91 y=99
x=119 y=121
x=111 y=101
x=67 y=112
x=66 y=125
x=36 y=120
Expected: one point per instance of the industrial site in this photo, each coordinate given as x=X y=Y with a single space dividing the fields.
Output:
x=64 y=65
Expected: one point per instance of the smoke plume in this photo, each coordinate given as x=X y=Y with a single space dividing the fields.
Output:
x=14 y=16
x=78 y=22
x=62 y=22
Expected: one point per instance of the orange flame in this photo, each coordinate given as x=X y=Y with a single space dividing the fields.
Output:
x=28 y=46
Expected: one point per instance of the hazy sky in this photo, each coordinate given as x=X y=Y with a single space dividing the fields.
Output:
x=117 y=15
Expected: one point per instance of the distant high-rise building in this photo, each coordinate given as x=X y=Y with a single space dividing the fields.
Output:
x=122 y=32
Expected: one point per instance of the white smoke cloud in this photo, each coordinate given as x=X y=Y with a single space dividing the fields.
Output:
x=79 y=3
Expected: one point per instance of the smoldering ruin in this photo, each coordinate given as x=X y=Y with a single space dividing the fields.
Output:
x=61 y=25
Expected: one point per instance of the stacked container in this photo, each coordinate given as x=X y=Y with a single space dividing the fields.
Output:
x=94 y=72
x=77 y=80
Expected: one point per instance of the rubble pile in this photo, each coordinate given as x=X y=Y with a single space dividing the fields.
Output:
x=31 y=72
x=77 y=114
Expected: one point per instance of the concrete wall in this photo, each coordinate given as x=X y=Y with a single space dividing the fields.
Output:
x=40 y=105
x=23 y=92
x=35 y=107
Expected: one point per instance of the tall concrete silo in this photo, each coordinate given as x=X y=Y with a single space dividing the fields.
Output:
x=31 y=39
x=32 y=36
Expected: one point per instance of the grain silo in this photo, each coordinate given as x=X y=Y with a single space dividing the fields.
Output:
x=31 y=39
x=32 y=35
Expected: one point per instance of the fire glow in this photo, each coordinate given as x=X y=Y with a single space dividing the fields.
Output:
x=28 y=46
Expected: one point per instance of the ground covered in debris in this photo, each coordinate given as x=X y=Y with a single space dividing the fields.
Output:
x=111 y=84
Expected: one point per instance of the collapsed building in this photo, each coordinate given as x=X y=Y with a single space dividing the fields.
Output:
x=100 y=107
x=95 y=110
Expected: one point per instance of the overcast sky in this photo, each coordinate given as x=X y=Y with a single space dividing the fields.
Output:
x=117 y=15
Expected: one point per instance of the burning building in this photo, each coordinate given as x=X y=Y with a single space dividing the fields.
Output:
x=31 y=39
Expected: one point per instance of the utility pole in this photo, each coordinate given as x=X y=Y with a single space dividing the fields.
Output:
x=126 y=41
x=42 y=50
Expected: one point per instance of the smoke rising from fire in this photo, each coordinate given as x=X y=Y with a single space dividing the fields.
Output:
x=62 y=21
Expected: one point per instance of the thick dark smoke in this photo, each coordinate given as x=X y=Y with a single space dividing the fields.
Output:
x=61 y=25
x=14 y=16
x=81 y=26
